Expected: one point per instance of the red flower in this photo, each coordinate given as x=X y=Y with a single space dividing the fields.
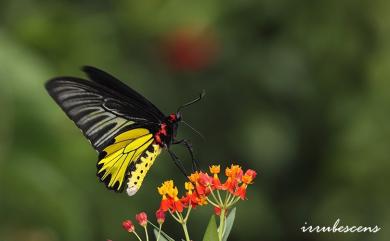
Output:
x=186 y=200
x=251 y=173
x=128 y=226
x=234 y=172
x=241 y=191
x=217 y=211
x=216 y=182
x=142 y=219
x=160 y=216
x=204 y=179
x=230 y=185
x=165 y=204
x=203 y=183
x=177 y=206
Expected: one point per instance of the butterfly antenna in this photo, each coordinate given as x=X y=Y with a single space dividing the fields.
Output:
x=193 y=129
x=201 y=95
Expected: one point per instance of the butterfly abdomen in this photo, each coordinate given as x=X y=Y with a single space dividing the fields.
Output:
x=140 y=168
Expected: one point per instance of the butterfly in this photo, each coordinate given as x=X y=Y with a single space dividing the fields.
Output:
x=126 y=129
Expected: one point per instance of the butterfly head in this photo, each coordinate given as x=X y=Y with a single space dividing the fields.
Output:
x=173 y=122
x=174 y=117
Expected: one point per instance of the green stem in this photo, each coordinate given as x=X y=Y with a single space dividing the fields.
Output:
x=184 y=225
x=215 y=198
x=233 y=201
x=159 y=231
x=221 y=224
x=213 y=203
x=228 y=199
x=174 y=216
x=146 y=233
x=188 y=213
x=219 y=197
x=164 y=233
x=135 y=233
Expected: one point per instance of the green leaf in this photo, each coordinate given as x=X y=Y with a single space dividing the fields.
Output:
x=162 y=236
x=229 y=224
x=211 y=233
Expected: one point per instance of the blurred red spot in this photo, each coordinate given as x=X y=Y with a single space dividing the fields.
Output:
x=189 y=49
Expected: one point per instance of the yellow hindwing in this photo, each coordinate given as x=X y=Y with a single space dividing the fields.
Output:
x=126 y=150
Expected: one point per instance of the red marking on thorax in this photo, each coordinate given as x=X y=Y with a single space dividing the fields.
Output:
x=172 y=117
x=162 y=131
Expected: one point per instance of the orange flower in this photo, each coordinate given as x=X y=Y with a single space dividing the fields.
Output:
x=189 y=187
x=241 y=191
x=247 y=179
x=202 y=182
x=232 y=171
x=194 y=177
x=215 y=169
x=177 y=205
x=192 y=198
x=251 y=173
x=204 y=179
x=230 y=185
x=202 y=200
x=249 y=176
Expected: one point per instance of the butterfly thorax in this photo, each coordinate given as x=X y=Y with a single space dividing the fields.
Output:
x=165 y=135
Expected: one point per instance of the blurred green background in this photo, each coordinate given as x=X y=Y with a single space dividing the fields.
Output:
x=297 y=90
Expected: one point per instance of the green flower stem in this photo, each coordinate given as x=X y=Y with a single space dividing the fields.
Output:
x=159 y=231
x=215 y=198
x=184 y=225
x=233 y=201
x=221 y=224
x=175 y=217
x=183 y=222
x=227 y=195
x=227 y=198
x=219 y=196
x=213 y=203
x=188 y=213
x=146 y=233
x=135 y=233
x=164 y=233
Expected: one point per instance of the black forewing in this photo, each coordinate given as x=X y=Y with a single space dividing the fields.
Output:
x=132 y=96
x=103 y=107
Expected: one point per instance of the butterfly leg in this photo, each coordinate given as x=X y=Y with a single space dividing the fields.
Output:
x=177 y=162
x=188 y=145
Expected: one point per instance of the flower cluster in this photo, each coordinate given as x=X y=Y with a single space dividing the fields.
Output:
x=202 y=188
x=236 y=182
x=202 y=184
x=234 y=186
